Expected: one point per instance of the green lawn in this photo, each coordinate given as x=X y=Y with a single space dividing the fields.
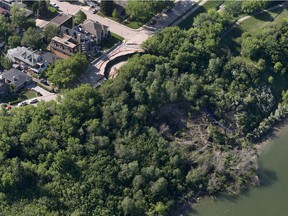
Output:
x=253 y=25
x=110 y=42
x=133 y=25
x=261 y=21
x=28 y=94
x=187 y=23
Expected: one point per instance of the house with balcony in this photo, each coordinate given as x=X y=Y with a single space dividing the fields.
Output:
x=69 y=42
x=27 y=58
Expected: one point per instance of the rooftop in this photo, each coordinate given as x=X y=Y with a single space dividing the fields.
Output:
x=64 y=40
x=25 y=55
x=94 y=28
x=16 y=77
x=60 y=19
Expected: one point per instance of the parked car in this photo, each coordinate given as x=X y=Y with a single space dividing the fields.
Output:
x=23 y=103
x=8 y=107
x=91 y=4
x=44 y=81
x=54 y=5
x=34 y=100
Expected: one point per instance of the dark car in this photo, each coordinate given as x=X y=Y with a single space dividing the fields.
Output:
x=44 y=81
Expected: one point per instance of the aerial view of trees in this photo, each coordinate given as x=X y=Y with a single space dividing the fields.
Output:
x=235 y=7
x=79 y=17
x=178 y=121
x=66 y=70
x=107 y=7
x=17 y=15
x=142 y=11
x=32 y=38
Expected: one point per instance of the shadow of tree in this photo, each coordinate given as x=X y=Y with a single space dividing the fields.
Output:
x=264 y=17
x=267 y=177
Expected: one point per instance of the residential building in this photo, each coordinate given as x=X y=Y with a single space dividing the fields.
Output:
x=96 y=30
x=62 y=20
x=64 y=46
x=70 y=41
x=50 y=57
x=16 y=78
x=27 y=58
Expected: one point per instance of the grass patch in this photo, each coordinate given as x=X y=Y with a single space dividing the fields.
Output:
x=110 y=42
x=133 y=25
x=29 y=94
x=188 y=22
x=253 y=25
x=261 y=21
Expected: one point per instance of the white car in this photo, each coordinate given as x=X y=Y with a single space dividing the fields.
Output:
x=54 y=5
x=23 y=103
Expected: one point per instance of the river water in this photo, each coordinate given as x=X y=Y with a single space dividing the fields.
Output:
x=269 y=200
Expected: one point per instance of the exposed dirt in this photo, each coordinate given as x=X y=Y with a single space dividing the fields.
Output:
x=176 y=123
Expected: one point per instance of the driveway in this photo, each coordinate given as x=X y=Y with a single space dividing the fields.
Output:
x=42 y=91
x=46 y=95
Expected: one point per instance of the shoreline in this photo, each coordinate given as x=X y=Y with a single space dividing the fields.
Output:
x=277 y=130
x=261 y=146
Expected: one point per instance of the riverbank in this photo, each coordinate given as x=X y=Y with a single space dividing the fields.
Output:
x=277 y=130
x=270 y=198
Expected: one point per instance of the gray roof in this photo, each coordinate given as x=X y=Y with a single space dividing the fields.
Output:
x=60 y=19
x=94 y=28
x=16 y=77
x=74 y=34
x=25 y=55
x=50 y=57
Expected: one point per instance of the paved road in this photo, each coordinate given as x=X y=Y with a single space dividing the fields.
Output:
x=131 y=35
x=122 y=30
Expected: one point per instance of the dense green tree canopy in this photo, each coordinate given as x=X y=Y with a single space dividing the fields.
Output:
x=107 y=7
x=79 y=17
x=177 y=120
x=49 y=32
x=142 y=11
x=18 y=17
x=64 y=71
x=32 y=38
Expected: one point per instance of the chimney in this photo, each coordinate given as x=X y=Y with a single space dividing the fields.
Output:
x=14 y=78
x=79 y=38
x=79 y=41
